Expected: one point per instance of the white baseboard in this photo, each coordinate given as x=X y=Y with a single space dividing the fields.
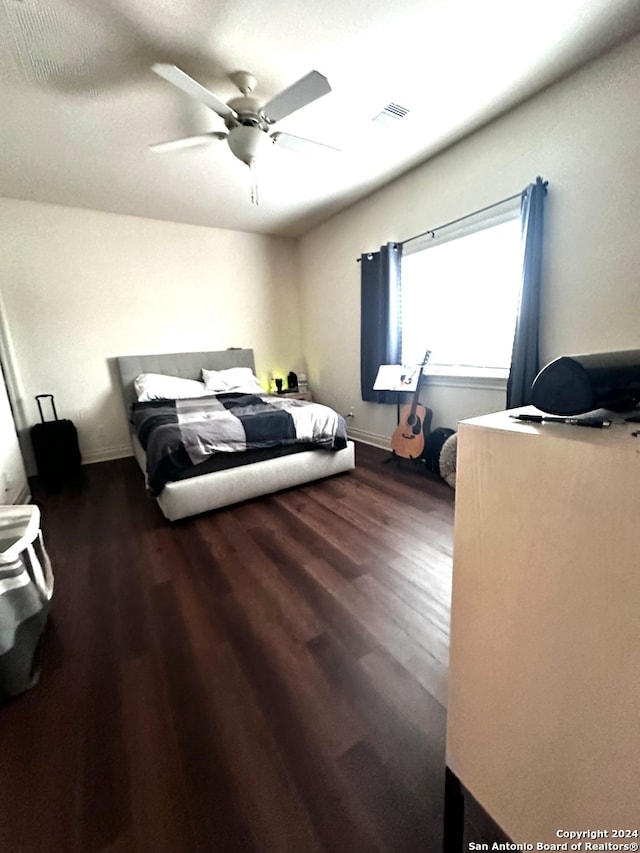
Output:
x=106 y=454
x=372 y=438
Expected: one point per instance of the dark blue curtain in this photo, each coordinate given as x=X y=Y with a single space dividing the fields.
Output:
x=525 y=359
x=380 y=326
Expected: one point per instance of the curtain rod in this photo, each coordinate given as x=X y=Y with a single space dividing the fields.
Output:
x=432 y=231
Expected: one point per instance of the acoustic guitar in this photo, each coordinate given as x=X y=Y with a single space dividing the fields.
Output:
x=407 y=440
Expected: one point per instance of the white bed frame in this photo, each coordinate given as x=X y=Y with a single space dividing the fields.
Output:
x=183 y=498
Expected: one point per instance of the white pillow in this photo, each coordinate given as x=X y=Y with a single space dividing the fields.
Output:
x=157 y=386
x=239 y=380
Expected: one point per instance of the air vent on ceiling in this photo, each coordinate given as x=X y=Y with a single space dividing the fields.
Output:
x=391 y=114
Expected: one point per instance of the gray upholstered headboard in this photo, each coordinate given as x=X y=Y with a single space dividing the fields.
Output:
x=185 y=364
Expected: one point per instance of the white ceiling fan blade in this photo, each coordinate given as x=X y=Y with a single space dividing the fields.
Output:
x=187 y=142
x=173 y=75
x=309 y=88
x=300 y=144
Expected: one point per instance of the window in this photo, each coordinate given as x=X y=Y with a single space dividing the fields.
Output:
x=460 y=295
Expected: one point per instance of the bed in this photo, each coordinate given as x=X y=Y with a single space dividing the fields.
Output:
x=211 y=490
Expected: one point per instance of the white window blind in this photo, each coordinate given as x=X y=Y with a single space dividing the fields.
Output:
x=460 y=298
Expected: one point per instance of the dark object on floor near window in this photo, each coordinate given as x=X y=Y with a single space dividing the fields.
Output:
x=432 y=447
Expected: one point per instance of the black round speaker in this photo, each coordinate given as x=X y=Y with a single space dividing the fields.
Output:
x=574 y=384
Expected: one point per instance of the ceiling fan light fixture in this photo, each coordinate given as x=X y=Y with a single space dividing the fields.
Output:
x=248 y=143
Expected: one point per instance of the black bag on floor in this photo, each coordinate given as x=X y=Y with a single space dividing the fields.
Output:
x=55 y=446
x=432 y=447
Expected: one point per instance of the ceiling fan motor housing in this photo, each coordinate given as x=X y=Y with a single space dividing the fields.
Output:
x=248 y=112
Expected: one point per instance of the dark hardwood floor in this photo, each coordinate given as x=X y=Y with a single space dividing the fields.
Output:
x=267 y=678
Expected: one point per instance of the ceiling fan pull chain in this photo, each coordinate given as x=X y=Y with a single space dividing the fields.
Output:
x=255 y=197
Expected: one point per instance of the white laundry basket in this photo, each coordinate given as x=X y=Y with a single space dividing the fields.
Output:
x=26 y=587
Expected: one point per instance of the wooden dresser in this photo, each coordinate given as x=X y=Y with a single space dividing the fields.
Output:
x=544 y=689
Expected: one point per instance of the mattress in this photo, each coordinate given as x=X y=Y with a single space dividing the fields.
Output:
x=218 y=489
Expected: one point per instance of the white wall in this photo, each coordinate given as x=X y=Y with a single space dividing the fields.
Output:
x=14 y=487
x=81 y=287
x=13 y=478
x=583 y=136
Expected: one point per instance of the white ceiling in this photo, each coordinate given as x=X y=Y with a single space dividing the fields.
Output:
x=79 y=105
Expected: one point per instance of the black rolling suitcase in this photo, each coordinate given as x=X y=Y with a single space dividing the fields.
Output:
x=55 y=446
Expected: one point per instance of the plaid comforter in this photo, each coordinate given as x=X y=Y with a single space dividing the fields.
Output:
x=177 y=434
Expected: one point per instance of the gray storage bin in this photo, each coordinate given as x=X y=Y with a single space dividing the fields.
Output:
x=26 y=587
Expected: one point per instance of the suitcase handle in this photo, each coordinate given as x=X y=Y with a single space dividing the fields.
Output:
x=53 y=405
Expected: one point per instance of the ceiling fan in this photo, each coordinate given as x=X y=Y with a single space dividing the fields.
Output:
x=247 y=119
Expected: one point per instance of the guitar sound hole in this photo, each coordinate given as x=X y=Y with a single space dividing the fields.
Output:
x=417 y=429
x=411 y=419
